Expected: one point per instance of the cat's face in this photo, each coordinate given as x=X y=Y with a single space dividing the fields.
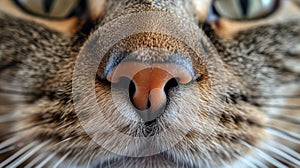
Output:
x=149 y=83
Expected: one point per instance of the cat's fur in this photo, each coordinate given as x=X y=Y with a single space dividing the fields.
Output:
x=256 y=99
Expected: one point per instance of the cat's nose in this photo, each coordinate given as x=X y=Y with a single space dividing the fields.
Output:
x=151 y=84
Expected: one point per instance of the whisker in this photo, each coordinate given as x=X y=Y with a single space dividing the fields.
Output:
x=61 y=160
x=276 y=97
x=9 y=142
x=27 y=155
x=8 y=149
x=285 y=118
x=65 y=140
x=286 y=149
x=65 y=125
x=245 y=161
x=258 y=162
x=17 y=154
x=12 y=147
x=282 y=154
x=280 y=106
x=21 y=130
x=35 y=160
x=123 y=162
x=43 y=154
x=12 y=103
x=283 y=134
x=264 y=155
x=14 y=92
x=44 y=162
x=91 y=158
x=8 y=118
x=74 y=158
x=224 y=164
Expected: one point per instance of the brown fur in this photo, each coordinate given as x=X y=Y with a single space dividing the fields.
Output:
x=226 y=111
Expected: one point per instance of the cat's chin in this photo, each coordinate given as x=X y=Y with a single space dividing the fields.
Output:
x=159 y=160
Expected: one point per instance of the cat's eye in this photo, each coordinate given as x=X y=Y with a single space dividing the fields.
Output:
x=52 y=9
x=244 y=9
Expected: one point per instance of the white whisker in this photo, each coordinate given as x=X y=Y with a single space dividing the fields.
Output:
x=283 y=135
x=43 y=154
x=286 y=149
x=35 y=160
x=12 y=147
x=27 y=155
x=8 y=149
x=74 y=158
x=17 y=154
x=276 y=97
x=259 y=163
x=292 y=120
x=9 y=142
x=123 y=163
x=243 y=160
x=256 y=161
x=282 y=154
x=42 y=164
x=63 y=126
x=63 y=141
x=264 y=155
x=294 y=134
x=90 y=160
x=224 y=164
x=7 y=118
x=207 y=162
x=61 y=160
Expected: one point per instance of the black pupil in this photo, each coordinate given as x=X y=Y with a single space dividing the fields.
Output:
x=244 y=5
x=48 y=5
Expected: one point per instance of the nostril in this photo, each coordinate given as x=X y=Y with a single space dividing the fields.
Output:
x=131 y=91
x=149 y=85
x=129 y=85
x=172 y=83
x=132 y=88
x=126 y=84
x=148 y=104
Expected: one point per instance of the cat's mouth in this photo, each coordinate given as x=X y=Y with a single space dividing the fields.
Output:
x=150 y=128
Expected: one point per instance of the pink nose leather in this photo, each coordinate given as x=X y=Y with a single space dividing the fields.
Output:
x=150 y=81
x=149 y=85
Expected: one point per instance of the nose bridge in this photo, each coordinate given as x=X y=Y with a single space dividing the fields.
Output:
x=180 y=8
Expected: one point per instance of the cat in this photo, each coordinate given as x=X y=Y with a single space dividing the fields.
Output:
x=149 y=83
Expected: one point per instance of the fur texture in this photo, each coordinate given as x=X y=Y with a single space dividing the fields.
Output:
x=245 y=112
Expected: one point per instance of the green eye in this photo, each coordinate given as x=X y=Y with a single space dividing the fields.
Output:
x=53 y=9
x=244 y=9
